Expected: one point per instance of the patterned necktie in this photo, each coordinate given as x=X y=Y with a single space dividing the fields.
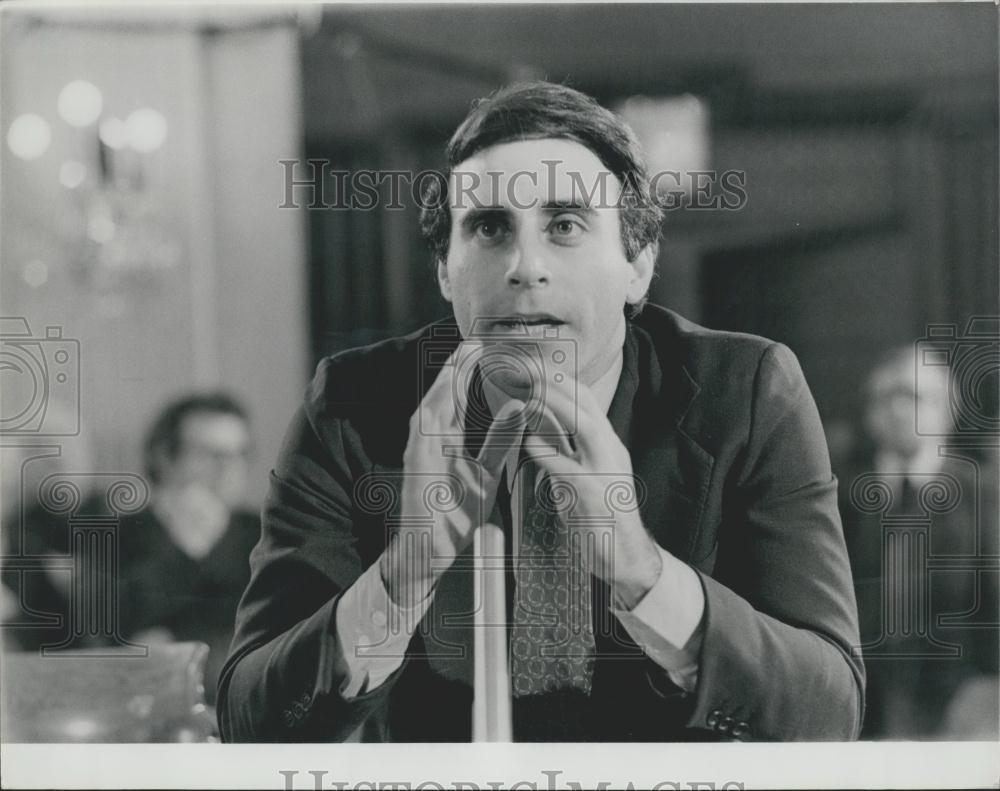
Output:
x=552 y=634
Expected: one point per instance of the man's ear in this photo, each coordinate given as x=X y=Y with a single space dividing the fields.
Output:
x=443 y=282
x=641 y=275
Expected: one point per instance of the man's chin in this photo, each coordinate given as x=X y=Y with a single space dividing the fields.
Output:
x=513 y=386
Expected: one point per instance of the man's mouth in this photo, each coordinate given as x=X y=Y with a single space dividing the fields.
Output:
x=519 y=321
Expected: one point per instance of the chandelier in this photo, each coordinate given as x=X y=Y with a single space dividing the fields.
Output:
x=112 y=217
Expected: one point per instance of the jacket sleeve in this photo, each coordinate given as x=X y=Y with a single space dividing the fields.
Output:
x=286 y=668
x=777 y=659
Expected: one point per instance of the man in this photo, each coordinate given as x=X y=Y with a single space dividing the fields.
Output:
x=35 y=600
x=680 y=476
x=921 y=665
x=185 y=558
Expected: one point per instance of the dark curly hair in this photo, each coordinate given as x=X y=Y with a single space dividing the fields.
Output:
x=539 y=109
x=164 y=437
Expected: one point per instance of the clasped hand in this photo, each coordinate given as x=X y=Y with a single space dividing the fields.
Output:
x=437 y=471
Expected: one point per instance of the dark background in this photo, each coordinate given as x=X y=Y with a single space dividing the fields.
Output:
x=868 y=134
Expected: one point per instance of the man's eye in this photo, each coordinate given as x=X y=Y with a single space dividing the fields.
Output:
x=566 y=228
x=488 y=230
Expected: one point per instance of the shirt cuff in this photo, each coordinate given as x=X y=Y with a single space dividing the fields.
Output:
x=373 y=631
x=667 y=622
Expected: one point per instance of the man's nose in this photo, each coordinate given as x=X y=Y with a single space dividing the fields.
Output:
x=529 y=266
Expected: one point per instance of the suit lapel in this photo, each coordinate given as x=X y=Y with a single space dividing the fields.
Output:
x=672 y=470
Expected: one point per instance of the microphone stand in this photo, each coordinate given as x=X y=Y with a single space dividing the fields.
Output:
x=491 y=707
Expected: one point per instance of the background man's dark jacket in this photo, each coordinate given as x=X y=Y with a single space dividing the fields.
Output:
x=913 y=676
x=726 y=440
x=161 y=586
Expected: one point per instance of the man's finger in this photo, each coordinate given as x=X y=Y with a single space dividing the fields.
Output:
x=557 y=466
x=505 y=433
x=578 y=425
x=548 y=426
x=447 y=399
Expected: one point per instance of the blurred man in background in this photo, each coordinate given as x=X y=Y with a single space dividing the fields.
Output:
x=917 y=687
x=185 y=558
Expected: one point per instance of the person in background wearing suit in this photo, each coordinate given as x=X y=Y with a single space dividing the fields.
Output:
x=184 y=560
x=923 y=672
x=680 y=570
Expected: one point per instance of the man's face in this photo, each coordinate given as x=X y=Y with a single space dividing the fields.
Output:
x=895 y=400
x=528 y=244
x=213 y=452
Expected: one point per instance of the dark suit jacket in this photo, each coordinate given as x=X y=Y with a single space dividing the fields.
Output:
x=724 y=436
x=162 y=586
x=914 y=675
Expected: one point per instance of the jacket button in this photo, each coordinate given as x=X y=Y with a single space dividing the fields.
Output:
x=713 y=718
x=740 y=729
x=726 y=725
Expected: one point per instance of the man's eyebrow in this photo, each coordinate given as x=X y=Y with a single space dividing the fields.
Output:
x=579 y=206
x=477 y=213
